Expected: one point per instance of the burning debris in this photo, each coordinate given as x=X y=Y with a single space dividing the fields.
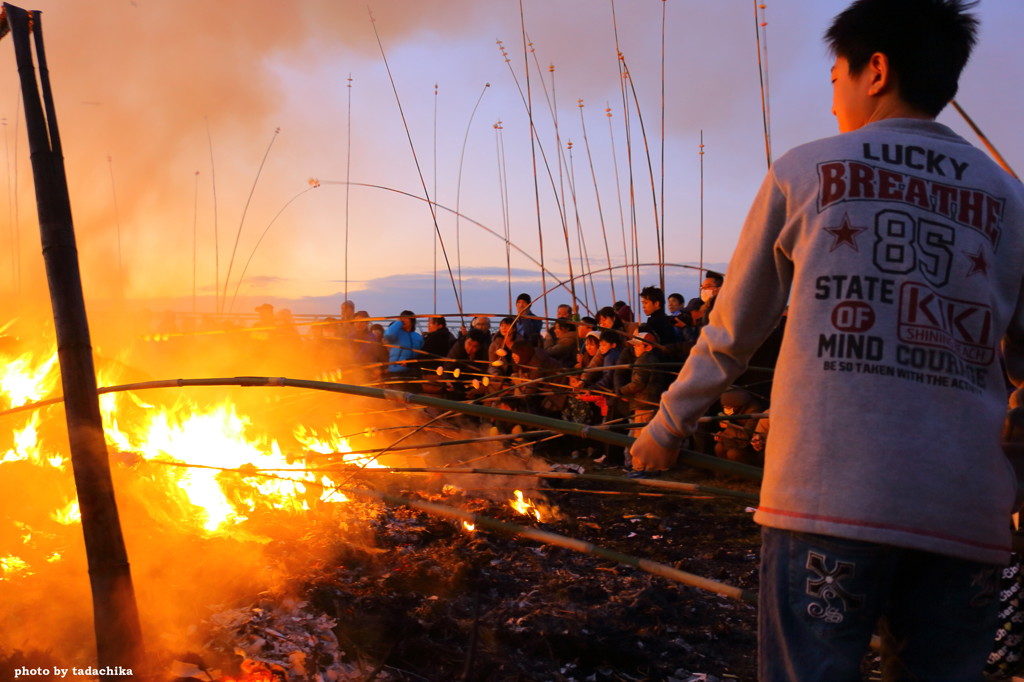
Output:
x=235 y=501
x=276 y=641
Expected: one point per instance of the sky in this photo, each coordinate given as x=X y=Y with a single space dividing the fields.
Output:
x=208 y=145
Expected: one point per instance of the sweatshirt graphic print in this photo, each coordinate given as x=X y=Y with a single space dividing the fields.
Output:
x=899 y=252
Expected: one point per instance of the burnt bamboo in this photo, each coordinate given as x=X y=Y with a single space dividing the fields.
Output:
x=115 y=615
x=545 y=537
x=557 y=540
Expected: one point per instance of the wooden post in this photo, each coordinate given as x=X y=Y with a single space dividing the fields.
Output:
x=118 y=634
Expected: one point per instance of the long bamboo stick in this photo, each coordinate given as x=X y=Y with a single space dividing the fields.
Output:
x=115 y=614
x=416 y=161
x=542 y=536
x=597 y=196
x=557 y=540
x=984 y=139
x=560 y=475
x=483 y=411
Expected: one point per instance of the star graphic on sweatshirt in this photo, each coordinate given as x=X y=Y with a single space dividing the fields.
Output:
x=845 y=234
x=978 y=262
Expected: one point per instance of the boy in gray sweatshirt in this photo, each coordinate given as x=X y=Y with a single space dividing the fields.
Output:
x=899 y=248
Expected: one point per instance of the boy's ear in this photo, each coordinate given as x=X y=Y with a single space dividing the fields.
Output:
x=881 y=74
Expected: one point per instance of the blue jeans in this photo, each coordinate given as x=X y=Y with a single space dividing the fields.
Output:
x=821 y=598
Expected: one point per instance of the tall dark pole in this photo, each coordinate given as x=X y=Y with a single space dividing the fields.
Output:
x=118 y=634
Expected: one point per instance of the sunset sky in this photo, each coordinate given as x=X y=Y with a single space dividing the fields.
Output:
x=167 y=111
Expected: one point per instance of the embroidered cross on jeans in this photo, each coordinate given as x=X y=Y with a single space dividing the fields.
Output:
x=826 y=586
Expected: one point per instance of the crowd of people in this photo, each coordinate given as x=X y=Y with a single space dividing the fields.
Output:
x=609 y=369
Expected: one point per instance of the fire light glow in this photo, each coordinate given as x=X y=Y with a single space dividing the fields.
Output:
x=209 y=455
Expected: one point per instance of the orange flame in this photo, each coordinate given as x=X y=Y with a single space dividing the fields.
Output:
x=524 y=506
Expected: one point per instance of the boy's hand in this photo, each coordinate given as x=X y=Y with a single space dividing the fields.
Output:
x=649 y=455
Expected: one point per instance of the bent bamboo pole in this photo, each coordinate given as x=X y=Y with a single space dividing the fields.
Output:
x=690 y=457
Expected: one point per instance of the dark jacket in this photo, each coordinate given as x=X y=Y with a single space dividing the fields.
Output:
x=646 y=383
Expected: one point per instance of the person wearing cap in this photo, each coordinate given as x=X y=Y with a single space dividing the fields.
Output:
x=584 y=327
x=527 y=326
x=646 y=383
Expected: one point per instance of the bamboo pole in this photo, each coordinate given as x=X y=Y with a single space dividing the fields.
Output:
x=115 y=615
x=416 y=161
x=483 y=411
x=984 y=139
x=681 y=486
x=557 y=540
x=516 y=530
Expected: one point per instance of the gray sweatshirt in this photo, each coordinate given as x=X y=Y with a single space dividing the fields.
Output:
x=899 y=248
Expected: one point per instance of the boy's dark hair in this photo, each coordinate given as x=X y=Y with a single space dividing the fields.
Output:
x=611 y=337
x=654 y=295
x=439 y=321
x=478 y=335
x=718 y=277
x=677 y=297
x=524 y=297
x=928 y=43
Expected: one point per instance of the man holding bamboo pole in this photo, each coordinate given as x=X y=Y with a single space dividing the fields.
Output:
x=898 y=247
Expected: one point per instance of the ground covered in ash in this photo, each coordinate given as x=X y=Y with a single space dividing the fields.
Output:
x=422 y=598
